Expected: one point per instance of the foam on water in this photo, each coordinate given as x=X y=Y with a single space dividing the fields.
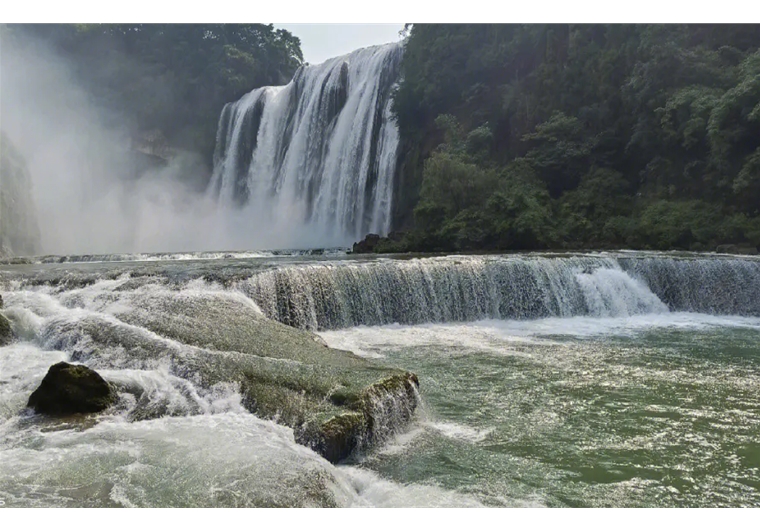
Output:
x=496 y=335
x=375 y=491
x=459 y=432
x=171 y=256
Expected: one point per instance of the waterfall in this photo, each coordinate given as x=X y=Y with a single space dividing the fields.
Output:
x=315 y=158
x=466 y=288
x=19 y=229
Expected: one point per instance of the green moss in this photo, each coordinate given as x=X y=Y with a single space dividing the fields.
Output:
x=283 y=373
x=336 y=438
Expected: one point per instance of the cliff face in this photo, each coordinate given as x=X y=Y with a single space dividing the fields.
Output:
x=19 y=230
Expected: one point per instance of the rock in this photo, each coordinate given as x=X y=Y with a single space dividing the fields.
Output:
x=394 y=243
x=284 y=374
x=366 y=245
x=6 y=333
x=397 y=236
x=377 y=411
x=736 y=249
x=71 y=389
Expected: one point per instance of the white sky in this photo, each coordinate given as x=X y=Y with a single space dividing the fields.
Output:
x=320 y=42
x=332 y=11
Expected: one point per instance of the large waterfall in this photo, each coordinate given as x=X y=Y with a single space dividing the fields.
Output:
x=19 y=228
x=315 y=159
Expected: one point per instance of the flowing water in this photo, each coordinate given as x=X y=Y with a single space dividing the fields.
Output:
x=605 y=379
x=317 y=156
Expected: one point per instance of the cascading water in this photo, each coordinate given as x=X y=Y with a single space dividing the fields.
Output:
x=315 y=159
x=456 y=289
x=619 y=371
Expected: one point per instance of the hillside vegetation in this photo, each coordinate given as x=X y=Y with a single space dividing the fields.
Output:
x=570 y=136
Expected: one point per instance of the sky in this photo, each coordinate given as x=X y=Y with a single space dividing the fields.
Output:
x=320 y=42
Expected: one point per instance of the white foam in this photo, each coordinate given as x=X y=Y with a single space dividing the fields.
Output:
x=613 y=293
x=22 y=367
x=461 y=432
x=496 y=336
x=372 y=490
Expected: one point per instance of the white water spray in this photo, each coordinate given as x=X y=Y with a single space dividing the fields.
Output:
x=314 y=160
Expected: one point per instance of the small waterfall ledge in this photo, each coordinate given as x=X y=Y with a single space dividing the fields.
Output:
x=338 y=295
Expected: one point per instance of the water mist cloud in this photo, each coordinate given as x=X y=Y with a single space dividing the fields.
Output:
x=90 y=191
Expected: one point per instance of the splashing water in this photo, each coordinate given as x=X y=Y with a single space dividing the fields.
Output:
x=314 y=160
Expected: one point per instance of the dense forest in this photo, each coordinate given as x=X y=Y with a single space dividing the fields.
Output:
x=168 y=82
x=579 y=136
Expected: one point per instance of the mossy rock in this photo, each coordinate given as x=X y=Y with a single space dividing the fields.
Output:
x=366 y=245
x=6 y=332
x=375 y=412
x=71 y=389
x=336 y=438
x=284 y=374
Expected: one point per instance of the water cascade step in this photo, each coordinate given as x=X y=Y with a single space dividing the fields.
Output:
x=466 y=288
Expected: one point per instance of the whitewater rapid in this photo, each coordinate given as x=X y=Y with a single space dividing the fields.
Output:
x=170 y=440
x=473 y=327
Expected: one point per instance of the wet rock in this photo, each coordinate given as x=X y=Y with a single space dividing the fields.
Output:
x=6 y=333
x=284 y=374
x=395 y=242
x=366 y=245
x=71 y=389
x=376 y=412
x=336 y=438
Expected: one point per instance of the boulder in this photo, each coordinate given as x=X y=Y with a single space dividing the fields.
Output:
x=71 y=389
x=6 y=333
x=374 y=414
x=366 y=245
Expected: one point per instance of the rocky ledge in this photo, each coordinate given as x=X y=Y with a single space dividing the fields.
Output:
x=336 y=402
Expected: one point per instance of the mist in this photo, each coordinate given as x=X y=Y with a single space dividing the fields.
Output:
x=91 y=193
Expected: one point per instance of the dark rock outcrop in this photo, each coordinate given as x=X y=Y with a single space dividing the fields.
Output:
x=374 y=414
x=6 y=333
x=366 y=245
x=373 y=243
x=71 y=389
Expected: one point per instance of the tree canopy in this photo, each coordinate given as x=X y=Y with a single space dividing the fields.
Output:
x=172 y=78
x=536 y=136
